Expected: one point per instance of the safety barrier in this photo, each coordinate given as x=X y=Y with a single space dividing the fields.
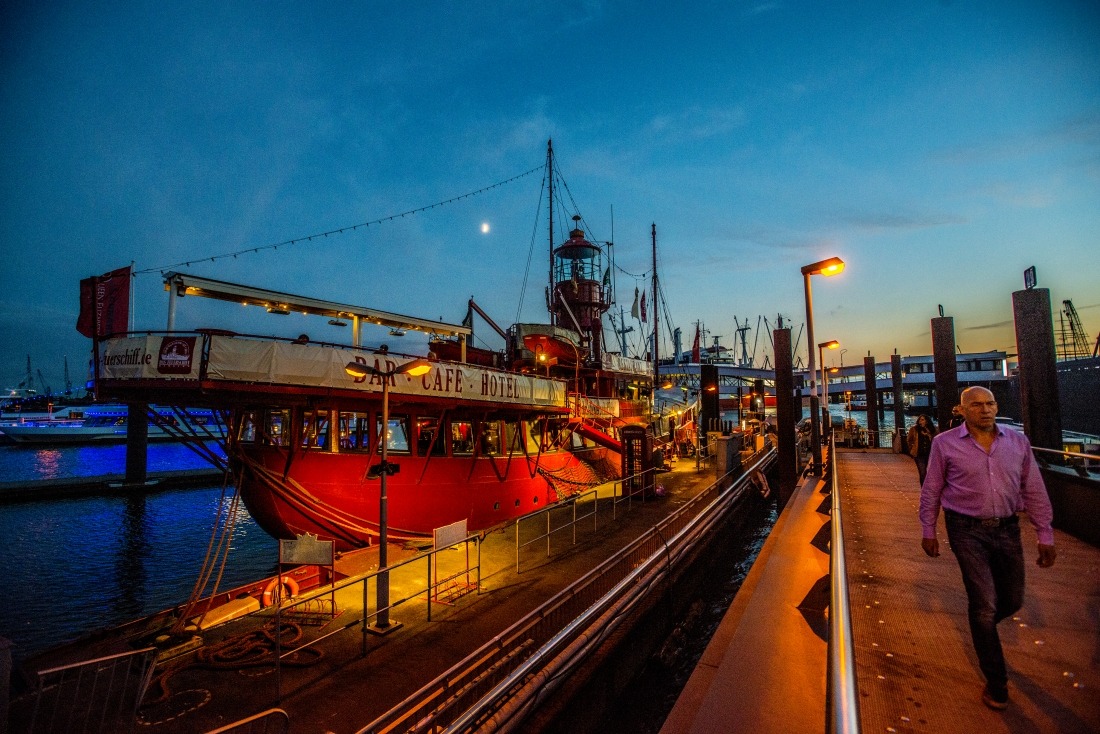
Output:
x=556 y=509
x=637 y=491
x=432 y=584
x=100 y=695
x=1080 y=462
x=842 y=693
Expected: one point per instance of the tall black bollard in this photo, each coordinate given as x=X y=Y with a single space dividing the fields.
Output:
x=899 y=396
x=787 y=471
x=871 y=385
x=708 y=399
x=947 y=369
x=1039 y=399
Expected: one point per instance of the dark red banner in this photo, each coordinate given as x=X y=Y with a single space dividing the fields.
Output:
x=105 y=304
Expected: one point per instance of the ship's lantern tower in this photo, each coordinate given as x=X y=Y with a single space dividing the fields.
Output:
x=580 y=298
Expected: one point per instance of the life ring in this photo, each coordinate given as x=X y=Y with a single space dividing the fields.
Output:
x=273 y=593
x=761 y=483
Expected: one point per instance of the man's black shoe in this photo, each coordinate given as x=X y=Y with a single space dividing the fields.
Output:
x=996 y=699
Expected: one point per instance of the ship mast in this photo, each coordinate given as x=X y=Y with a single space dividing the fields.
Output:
x=656 y=362
x=550 y=181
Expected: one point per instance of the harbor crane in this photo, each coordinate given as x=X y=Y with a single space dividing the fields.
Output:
x=1075 y=343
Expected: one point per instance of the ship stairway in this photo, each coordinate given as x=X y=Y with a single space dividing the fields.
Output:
x=592 y=421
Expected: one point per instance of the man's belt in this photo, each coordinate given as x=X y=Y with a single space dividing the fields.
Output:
x=985 y=522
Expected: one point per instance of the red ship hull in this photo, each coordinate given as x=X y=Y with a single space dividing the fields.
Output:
x=328 y=494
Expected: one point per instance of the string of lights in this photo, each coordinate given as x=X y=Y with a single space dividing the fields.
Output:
x=338 y=231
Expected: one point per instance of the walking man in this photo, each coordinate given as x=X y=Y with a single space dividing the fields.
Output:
x=982 y=474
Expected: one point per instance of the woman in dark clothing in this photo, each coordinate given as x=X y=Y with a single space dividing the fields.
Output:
x=919 y=443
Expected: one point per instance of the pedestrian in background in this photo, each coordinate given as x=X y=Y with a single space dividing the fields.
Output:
x=982 y=474
x=919 y=441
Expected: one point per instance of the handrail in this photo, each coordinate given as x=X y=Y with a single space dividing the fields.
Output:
x=447 y=699
x=1071 y=454
x=842 y=698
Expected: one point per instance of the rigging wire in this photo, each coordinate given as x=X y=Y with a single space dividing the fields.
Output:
x=531 y=246
x=339 y=230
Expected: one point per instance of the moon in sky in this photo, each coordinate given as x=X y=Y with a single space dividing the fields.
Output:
x=485 y=228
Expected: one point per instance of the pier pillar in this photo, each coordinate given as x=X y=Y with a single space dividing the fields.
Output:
x=871 y=390
x=785 y=417
x=137 y=443
x=1039 y=400
x=708 y=397
x=899 y=396
x=947 y=369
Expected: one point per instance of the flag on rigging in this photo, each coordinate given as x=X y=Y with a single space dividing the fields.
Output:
x=105 y=304
x=634 y=308
x=607 y=278
x=695 y=347
x=643 y=307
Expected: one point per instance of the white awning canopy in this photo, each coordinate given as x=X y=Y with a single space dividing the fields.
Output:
x=185 y=284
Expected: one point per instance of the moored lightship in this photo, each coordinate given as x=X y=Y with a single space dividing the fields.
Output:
x=482 y=437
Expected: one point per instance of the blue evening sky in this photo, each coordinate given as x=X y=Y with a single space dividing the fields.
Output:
x=940 y=148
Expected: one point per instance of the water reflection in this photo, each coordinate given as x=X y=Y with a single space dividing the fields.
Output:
x=83 y=564
x=130 y=571
x=47 y=463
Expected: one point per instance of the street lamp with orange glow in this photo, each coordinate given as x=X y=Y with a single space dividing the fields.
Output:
x=830 y=266
x=831 y=344
x=360 y=370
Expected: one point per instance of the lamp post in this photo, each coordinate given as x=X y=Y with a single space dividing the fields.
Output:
x=831 y=344
x=831 y=266
x=360 y=371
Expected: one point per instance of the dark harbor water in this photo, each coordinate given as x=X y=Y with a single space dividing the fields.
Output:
x=76 y=565
x=643 y=708
x=28 y=463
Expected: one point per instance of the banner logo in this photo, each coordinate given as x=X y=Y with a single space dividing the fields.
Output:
x=176 y=354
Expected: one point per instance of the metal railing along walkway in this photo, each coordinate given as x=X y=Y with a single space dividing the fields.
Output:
x=501 y=681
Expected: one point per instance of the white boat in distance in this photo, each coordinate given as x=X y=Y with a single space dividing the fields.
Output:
x=107 y=423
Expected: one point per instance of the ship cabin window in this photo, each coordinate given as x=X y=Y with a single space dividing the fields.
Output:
x=354 y=432
x=462 y=437
x=315 y=428
x=512 y=438
x=429 y=440
x=545 y=435
x=277 y=431
x=246 y=429
x=397 y=434
x=489 y=439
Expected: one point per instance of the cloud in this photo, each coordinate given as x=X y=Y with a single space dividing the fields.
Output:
x=905 y=222
x=1081 y=131
x=1011 y=193
x=761 y=9
x=696 y=123
x=982 y=327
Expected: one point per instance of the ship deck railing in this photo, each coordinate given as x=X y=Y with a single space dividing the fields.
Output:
x=406 y=584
